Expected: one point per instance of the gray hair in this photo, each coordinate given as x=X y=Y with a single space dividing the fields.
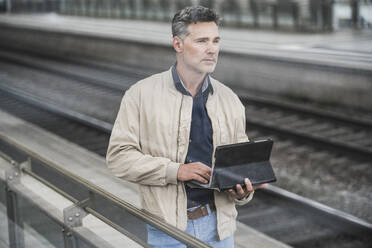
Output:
x=193 y=14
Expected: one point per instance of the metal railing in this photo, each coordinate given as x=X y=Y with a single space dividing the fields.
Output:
x=22 y=162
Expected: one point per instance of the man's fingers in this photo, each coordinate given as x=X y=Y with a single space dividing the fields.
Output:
x=203 y=174
x=206 y=175
x=203 y=170
x=240 y=193
x=200 y=178
x=240 y=190
x=233 y=193
x=203 y=167
x=248 y=185
x=261 y=186
x=194 y=171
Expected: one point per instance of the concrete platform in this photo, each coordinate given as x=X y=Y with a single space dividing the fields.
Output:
x=332 y=68
x=91 y=168
x=341 y=48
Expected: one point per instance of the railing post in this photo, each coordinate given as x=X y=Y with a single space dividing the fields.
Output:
x=73 y=217
x=15 y=220
x=68 y=239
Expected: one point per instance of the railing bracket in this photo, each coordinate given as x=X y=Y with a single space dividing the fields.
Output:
x=73 y=215
x=13 y=175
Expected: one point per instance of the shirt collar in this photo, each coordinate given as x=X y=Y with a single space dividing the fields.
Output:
x=206 y=87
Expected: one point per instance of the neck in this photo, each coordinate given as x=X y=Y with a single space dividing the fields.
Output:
x=192 y=79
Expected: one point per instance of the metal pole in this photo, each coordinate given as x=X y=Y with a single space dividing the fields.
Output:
x=72 y=217
x=68 y=239
x=15 y=221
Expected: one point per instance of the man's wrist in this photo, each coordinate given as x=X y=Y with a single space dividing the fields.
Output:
x=244 y=200
x=171 y=176
x=245 y=197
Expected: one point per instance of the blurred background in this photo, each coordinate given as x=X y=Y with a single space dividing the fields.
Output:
x=302 y=69
x=299 y=15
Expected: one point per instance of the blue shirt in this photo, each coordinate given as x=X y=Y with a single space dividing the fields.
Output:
x=201 y=137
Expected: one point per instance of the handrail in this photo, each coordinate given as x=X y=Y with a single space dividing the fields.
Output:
x=147 y=217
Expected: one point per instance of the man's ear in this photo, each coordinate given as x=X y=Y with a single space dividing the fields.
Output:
x=177 y=44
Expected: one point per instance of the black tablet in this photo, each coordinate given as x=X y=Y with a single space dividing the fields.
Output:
x=236 y=162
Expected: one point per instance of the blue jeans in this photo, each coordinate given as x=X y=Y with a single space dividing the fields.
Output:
x=204 y=228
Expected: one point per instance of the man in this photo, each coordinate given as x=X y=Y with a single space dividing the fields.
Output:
x=167 y=129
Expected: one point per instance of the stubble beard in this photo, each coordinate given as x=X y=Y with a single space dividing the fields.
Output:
x=201 y=68
x=207 y=68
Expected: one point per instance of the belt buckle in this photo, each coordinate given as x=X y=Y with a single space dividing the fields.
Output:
x=198 y=213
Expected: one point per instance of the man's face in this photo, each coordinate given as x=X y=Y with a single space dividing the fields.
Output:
x=199 y=50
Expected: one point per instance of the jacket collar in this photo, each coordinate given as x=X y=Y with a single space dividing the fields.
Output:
x=178 y=84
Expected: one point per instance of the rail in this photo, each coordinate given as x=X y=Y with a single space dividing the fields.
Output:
x=23 y=165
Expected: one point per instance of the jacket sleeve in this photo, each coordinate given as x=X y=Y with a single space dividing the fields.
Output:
x=124 y=156
x=245 y=200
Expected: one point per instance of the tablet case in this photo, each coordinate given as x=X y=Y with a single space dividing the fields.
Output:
x=236 y=162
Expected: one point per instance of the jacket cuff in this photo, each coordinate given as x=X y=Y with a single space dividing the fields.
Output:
x=172 y=173
x=245 y=199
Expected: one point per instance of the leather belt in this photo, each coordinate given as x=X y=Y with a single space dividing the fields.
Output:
x=200 y=211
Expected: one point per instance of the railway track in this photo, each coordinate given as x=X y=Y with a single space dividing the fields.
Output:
x=333 y=131
x=289 y=218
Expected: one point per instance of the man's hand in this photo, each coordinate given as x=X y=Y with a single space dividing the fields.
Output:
x=241 y=193
x=194 y=171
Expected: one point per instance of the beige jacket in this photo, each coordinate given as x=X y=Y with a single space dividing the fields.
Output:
x=150 y=138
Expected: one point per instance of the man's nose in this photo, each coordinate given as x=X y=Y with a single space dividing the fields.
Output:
x=212 y=47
